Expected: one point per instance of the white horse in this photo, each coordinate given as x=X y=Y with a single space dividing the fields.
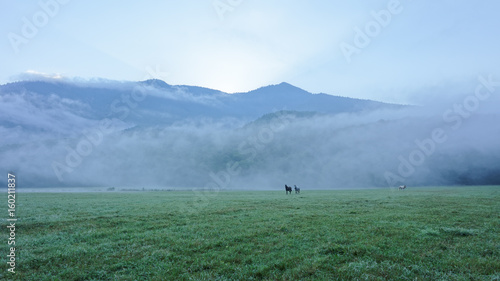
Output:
x=401 y=187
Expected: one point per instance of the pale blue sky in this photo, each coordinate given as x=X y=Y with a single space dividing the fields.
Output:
x=426 y=44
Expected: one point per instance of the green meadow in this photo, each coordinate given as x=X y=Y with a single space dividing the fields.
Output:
x=441 y=233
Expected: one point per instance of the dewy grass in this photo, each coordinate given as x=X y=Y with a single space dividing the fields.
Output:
x=446 y=233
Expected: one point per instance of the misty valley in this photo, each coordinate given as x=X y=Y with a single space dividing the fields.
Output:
x=250 y=140
x=132 y=173
x=155 y=135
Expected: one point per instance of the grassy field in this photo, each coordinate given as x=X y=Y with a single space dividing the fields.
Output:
x=444 y=233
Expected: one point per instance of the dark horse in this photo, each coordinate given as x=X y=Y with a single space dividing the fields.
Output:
x=297 y=190
x=288 y=189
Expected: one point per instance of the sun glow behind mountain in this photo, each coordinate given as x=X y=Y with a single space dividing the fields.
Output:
x=259 y=43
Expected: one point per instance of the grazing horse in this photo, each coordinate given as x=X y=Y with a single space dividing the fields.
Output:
x=297 y=190
x=401 y=187
x=288 y=189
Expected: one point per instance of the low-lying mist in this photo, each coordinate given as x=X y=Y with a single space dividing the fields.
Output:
x=313 y=151
x=455 y=142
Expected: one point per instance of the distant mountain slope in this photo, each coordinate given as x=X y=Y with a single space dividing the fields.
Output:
x=160 y=103
x=289 y=97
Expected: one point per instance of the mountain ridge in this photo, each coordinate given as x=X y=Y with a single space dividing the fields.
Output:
x=158 y=83
x=184 y=102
